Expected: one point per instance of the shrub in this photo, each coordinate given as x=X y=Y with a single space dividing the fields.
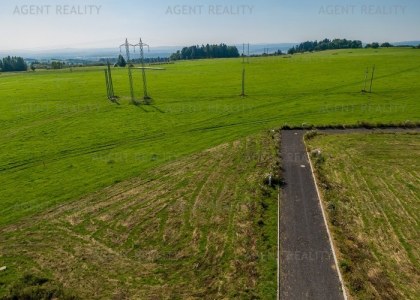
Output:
x=31 y=286
x=311 y=134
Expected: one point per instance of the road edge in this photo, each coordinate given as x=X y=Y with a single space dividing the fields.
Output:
x=278 y=243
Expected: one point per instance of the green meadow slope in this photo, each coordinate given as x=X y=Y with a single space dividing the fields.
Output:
x=62 y=139
x=105 y=200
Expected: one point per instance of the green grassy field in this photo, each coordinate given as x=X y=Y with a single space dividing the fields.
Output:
x=202 y=227
x=62 y=139
x=370 y=184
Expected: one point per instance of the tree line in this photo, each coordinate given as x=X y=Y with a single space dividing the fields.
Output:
x=206 y=51
x=377 y=45
x=13 y=64
x=56 y=65
x=325 y=44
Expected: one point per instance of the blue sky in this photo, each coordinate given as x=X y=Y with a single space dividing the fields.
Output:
x=105 y=23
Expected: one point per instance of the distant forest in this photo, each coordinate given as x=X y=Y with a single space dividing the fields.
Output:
x=325 y=45
x=13 y=64
x=206 y=51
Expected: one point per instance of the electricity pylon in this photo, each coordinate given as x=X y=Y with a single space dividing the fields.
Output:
x=366 y=77
x=111 y=85
x=130 y=76
x=143 y=70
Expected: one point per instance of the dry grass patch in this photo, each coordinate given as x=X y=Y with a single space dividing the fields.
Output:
x=371 y=188
x=186 y=230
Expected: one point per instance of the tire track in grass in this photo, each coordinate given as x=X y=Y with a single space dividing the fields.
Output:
x=199 y=211
x=405 y=204
x=220 y=227
x=386 y=213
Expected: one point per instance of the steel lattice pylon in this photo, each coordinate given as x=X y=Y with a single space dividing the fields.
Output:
x=130 y=75
x=141 y=45
x=143 y=70
x=109 y=85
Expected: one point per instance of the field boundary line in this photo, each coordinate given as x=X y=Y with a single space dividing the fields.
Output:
x=340 y=277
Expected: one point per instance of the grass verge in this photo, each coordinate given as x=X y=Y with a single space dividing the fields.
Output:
x=370 y=186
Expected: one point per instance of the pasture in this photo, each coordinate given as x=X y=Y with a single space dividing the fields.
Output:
x=62 y=139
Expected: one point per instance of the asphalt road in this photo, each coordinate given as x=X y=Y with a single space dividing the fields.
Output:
x=307 y=268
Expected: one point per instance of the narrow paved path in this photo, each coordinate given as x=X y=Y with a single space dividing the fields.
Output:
x=307 y=268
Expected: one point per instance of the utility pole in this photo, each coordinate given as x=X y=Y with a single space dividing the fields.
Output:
x=107 y=83
x=243 y=70
x=371 y=80
x=130 y=75
x=366 y=78
x=111 y=85
x=243 y=82
x=243 y=53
